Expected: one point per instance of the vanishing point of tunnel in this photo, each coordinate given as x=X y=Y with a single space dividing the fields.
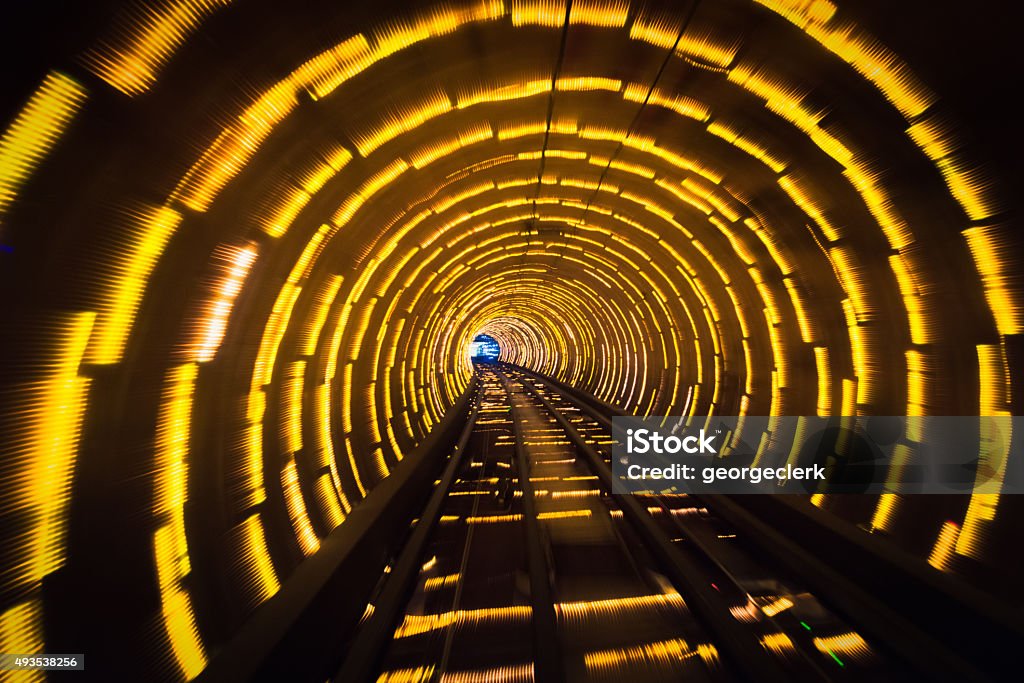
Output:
x=500 y=341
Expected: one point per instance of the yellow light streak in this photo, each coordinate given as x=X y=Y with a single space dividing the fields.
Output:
x=149 y=230
x=35 y=131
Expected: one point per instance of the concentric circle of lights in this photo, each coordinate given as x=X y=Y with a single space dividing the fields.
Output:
x=766 y=270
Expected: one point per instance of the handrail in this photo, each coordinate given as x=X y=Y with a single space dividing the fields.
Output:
x=299 y=633
x=374 y=635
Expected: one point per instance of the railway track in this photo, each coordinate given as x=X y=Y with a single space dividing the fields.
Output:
x=523 y=567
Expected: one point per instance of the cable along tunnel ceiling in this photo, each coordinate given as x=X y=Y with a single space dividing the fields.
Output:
x=269 y=263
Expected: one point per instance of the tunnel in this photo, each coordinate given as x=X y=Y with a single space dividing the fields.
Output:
x=323 y=322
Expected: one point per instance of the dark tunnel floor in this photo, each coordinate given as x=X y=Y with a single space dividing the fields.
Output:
x=618 y=615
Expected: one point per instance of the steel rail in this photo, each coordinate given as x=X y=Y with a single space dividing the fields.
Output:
x=877 y=586
x=744 y=653
x=547 y=654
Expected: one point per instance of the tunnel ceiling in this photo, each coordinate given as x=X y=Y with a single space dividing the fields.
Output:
x=254 y=245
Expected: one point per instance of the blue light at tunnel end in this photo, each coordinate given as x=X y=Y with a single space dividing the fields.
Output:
x=484 y=348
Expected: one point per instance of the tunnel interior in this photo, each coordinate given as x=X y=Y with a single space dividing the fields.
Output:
x=252 y=253
x=484 y=347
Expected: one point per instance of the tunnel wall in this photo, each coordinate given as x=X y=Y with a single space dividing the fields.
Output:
x=255 y=247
